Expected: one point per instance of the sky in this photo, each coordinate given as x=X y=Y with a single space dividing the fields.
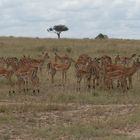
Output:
x=84 y=18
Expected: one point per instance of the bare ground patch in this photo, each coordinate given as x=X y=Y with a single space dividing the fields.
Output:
x=68 y=121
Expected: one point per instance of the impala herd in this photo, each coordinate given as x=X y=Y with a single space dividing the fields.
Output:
x=101 y=71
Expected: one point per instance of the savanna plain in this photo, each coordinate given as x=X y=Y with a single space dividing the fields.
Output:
x=60 y=112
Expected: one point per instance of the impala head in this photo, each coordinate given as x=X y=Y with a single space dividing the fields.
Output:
x=65 y=56
x=137 y=60
x=136 y=63
x=98 y=60
x=117 y=56
x=46 y=55
x=68 y=60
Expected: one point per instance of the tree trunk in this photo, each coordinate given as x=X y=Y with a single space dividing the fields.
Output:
x=58 y=34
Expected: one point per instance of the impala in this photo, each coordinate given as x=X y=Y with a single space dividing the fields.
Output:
x=128 y=72
x=63 y=67
x=37 y=62
x=61 y=58
x=93 y=75
x=2 y=62
x=25 y=75
x=10 y=61
x=7 y=74
x=118 y=75
x=83 y=70
x=124 y=60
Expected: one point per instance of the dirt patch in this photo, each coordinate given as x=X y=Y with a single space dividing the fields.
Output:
x=66 y=120
x=135 y=133
x=131 y=133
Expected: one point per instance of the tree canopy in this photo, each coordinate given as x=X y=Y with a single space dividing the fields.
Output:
x=58 y=29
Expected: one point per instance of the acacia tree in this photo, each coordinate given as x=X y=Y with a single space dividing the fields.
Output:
x=58 y=29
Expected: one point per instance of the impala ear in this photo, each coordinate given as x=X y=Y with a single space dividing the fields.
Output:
x=133 y=55
x=137 y=60
x=134 y=61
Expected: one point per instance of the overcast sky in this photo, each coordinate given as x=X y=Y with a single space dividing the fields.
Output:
x=84 y=18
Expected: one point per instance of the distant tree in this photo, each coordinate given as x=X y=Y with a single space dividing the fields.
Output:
x=101 y=36
x=58 y=29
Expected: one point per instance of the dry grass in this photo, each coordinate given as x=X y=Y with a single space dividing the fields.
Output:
x=58 y=113
x=69 y=121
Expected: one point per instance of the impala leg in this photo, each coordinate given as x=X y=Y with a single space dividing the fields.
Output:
x=63 y=76
x=124 y=84
x=11 y=90
x=130 y=82
x=138 y=75
x=85 y=80
x=19 y=87
x=38 y=89
x=97 y=82
x=108 y=83
x=53 y=72
x=89 y=83
x=37 y=84
x=48 y=75
x=118 y=83
x=111 y=84
x=100 y=80
x=78 y=83
x=52 y=78
x=24 y=86
x=27 y=86
x=127 y=84
x=94 y=80
x=40 y=69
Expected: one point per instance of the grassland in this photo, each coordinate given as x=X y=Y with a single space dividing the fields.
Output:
x=58 y=113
